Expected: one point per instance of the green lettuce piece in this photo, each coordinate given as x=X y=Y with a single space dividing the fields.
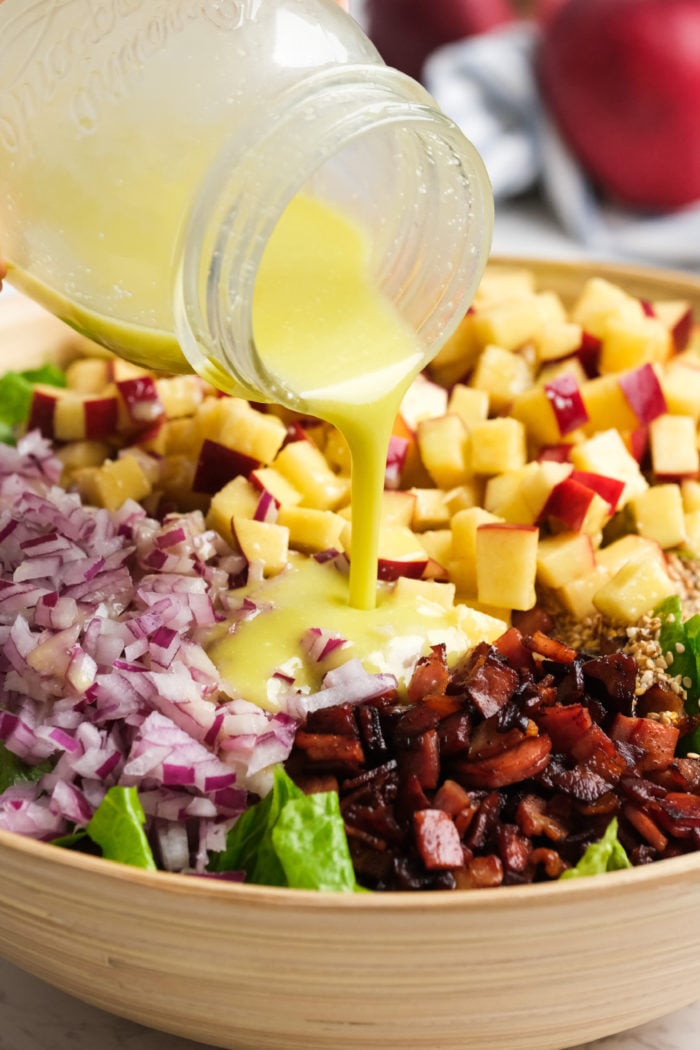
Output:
x=16 y=390
x=310 y=841
x=117 y=828
x=290 y=839
x=607 y=854
x=14 y=771
x=680 y=640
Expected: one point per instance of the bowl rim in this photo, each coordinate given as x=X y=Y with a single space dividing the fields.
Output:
x=658 y=873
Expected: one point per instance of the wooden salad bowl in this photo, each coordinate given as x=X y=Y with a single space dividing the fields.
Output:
x=516 y=968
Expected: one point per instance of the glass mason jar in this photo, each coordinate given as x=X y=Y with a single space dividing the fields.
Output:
x=149 y=147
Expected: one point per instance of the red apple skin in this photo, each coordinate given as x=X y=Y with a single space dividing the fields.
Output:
x=389 y=570
x=101 y=417
x=621 y=79
x=555 y=453
x=395 y=461
x=565 y=398
x=643 y=393
x=406 y=31
x=638 y=443
x=568 y=502
x=218 y=464
x=609 y=489
x=588 y=354
x=140 y=396
x=41 y=412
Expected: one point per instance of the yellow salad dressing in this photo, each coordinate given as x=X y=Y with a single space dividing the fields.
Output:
x=328 y=334
x=325 y=332
x=406 y=621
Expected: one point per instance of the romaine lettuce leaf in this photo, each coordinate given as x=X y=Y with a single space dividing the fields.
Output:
x=117 y=828
x=607 y=854
x=680 y=640
x=290 y=839
x=14 y=771
x=16 y=396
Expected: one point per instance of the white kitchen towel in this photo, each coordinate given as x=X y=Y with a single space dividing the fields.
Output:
x=487 y=85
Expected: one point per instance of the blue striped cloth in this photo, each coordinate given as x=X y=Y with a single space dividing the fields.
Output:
x=487 y=85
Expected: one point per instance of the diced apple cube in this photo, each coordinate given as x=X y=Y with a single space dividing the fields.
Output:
x=268 y=479
x=571 y=366
x=180 y=395
x=179 y=436
x=337 y=451
x=534 y=409
x=85 y=416
x=643 y=392
x=576 y=596
x=217 y=464
x=508 y=323
x=659 y=513
x=633 y=591
x=690 y=492
x=305 y=467
x=629 y=548
x=470 y=404
x=113 y=483
x=463 y=527
x=457 y=355
x=399 y=507
x=461 y=563
x=691 y=525
x=605 y=453
x=430 y=509
x=673 y=445
x=607 y=405
x=413 y=471
x=423 y=400
x=469 y=494
x=88 y=375
x=400 y=553
x=256 y=434
x=629 y=344
x=677 y=316
x=42 y=410
x=599 y=302
x=557 y=339
x=573 y=506
x=501 y=375
x=415 y=591
x=80 y=454
x=437 y=543
x=238 y=499
x=681 y=387
x=312 y=530
x=445 y=449
x=504 y=282
x=563 y=558
x=497 y=445
x=263 y=542
x=504 y=496
x=506 y=565
x=538 y=481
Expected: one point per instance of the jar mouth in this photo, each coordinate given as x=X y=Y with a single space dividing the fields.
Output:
x=370 y=142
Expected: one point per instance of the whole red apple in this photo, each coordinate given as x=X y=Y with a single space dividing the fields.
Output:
x=621 y=79
x=406 y=31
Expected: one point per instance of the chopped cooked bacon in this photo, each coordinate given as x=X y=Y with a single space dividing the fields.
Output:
x=503 y=770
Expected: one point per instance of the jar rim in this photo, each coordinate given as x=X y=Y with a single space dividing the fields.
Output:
x=246 y=190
